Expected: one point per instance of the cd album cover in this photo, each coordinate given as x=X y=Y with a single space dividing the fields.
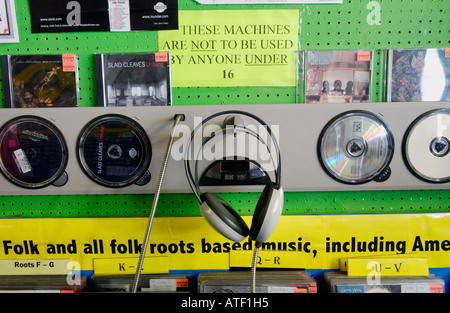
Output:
x=337 y=76
x=141 y=79
x=32 y=81
x=419 y=75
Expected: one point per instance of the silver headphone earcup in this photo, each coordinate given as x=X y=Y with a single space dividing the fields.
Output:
x=221 y=216
x=267 y=213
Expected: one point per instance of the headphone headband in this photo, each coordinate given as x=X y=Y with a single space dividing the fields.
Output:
x=224 y=130
x=192 y=181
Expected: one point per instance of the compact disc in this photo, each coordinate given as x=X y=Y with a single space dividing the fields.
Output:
x=355 y=147
x=426 y=146
x=33 y=152
x=114 y=150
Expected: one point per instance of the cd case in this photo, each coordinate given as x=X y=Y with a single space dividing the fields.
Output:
x=115 y=151
x=356 y=147
x=147 y=283
x=419 y=75
x=33 y=81
x=426 y=146
x=339 y=282
x=266 y=282
x=337 y=76
x=33 y=152
x=41 y=284
x=141 y=79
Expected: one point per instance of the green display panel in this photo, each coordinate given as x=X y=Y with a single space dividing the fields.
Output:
x=305 y=203
x=355 y=24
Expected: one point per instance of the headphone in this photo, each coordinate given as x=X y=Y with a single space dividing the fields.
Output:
x=219 y=214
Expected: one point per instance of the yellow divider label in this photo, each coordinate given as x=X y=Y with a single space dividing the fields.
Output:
x=268 y=259
x=35 y=267
x=387 y=267
x=127 y=266
x=343 y=262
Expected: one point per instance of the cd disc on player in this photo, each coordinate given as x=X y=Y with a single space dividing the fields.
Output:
x=355 y=147
x=114 y=151
x=426 y=146
x=33 y=152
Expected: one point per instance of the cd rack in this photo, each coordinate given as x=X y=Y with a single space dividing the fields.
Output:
x=300 y=127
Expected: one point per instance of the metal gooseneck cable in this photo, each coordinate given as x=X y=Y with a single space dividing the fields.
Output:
x=178 y=118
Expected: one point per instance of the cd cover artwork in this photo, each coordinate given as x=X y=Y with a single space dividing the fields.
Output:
x=338 y=76
x=419 y=75
x=33 y=81
x=141 y=79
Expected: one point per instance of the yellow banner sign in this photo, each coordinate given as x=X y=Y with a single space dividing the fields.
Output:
x=233 y=48
x=189 y=243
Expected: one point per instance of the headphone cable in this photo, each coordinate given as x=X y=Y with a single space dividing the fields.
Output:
x=253 y=269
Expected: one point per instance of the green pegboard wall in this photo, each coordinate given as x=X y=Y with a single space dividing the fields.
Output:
x=355 y=24
x=305 y=203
